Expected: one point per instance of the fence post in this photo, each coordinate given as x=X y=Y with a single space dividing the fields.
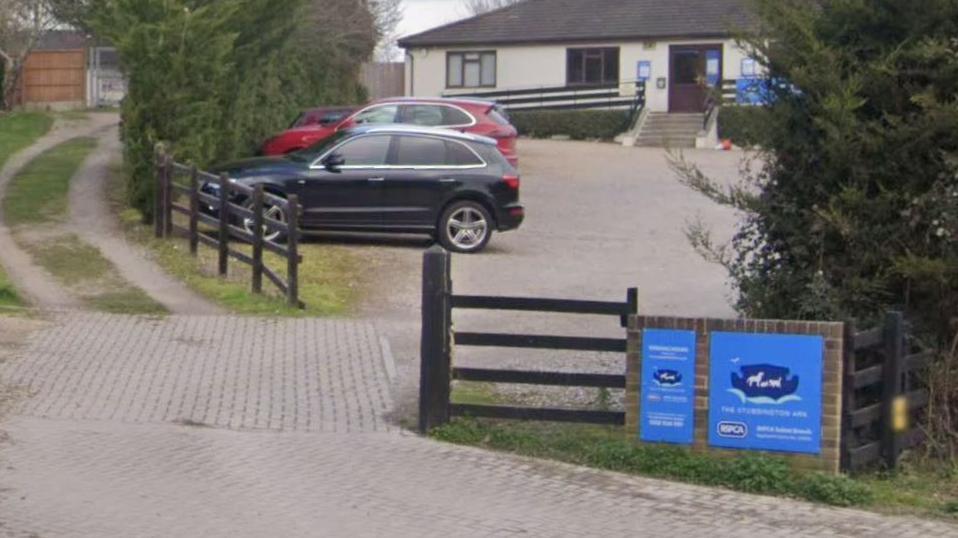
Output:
x=434 y=373
x=258 y=239
x=158 y=194
x=292 y=246
x=168 y=198
x=848 y=394
x=892 y=372
x=224 y=226
x=632 y=300
x=194 y=210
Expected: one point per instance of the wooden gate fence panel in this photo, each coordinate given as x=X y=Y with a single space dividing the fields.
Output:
x=438 y=339
x=882 y=365
x=175 y=181
x=51 y=76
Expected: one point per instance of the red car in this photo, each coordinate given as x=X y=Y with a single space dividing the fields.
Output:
x=473 y=116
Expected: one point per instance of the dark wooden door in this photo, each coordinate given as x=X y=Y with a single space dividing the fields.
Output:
x=693 y=71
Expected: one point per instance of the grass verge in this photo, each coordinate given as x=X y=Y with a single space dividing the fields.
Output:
x=38 y=194
x=331 y=277
x=9 y=298
x=17 y=131
x=921 y=491
x=21 y=129
x=36 y=208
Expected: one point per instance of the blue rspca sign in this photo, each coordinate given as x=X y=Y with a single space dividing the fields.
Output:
x=668 y=387
x=765 y=392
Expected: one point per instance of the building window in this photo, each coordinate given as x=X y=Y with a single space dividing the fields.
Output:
x=592 y=66
x=471 y=69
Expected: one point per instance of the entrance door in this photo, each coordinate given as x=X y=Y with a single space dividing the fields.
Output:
x=694 y=71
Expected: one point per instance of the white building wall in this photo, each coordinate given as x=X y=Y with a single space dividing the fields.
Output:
x=545 y=65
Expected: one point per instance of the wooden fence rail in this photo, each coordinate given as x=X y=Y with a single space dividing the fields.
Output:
x=882 y=394
x=219 y=212
x=438 y=339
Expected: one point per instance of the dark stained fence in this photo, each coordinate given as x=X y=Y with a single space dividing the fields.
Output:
x=883 y=396
x=177 y=181
x=439 y=339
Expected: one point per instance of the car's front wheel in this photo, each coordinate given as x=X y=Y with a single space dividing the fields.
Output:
x=270 y=211
x=465 y=227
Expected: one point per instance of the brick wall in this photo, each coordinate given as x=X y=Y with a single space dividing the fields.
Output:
x=828 y=460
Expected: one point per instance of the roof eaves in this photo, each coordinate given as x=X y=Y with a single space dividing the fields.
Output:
x=554 y=40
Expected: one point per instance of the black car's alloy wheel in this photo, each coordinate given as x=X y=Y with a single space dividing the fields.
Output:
x=271 y=212
x=465 y=227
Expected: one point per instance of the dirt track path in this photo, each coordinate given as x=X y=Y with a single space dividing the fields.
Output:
x=36 y=285
x=95 y=224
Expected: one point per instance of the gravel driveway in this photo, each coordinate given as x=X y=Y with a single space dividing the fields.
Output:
x=600 y=218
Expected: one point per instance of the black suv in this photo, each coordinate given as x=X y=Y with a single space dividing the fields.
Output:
x=456 y=186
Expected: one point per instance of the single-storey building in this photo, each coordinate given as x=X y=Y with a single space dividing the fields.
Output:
x=678 y=48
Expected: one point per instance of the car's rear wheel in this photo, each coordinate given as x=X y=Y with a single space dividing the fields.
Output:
x=270 y=211
x=466 y=227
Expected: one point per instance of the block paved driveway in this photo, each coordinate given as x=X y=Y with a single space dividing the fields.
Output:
x=223 y=426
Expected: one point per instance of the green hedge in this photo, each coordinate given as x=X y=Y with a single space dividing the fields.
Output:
x=576 y=124
x=743 y=125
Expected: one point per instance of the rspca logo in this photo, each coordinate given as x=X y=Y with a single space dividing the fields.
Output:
x=732 y=430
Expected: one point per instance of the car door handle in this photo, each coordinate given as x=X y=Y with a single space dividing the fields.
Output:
x=448 y=180
x=376 y=179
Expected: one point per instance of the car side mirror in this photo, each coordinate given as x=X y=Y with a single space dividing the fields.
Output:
x=333 y=162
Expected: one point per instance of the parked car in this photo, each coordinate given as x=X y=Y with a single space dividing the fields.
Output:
x=474 y=116
x=455 y=186
x=322 y=116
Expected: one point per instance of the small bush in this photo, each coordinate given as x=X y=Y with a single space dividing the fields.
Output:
x=833 y=490
x=576 y=124
x=742 y=124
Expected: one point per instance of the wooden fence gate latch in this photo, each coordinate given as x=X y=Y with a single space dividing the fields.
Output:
x=899 y=414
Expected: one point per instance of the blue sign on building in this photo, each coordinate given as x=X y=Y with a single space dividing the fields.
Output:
x=668 y=386
x=765 y=392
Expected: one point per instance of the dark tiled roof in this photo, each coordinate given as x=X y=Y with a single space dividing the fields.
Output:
x=537 y=21
x=63 y=40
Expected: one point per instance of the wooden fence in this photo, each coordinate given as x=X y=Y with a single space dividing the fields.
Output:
x=883 y=394
x=54 y=76
x=176 y=181
x=438 y=337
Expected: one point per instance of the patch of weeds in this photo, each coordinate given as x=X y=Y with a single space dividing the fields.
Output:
x=38 y=194
x=129 y=301
x=9 y=298
x=70 y=260
x=472 y=393
x=607 y=448
x=84 y=270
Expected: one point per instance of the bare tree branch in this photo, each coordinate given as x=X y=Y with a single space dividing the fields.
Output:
x=478 y=7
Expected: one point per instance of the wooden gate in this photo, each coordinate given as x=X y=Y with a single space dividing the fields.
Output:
x=54 y=76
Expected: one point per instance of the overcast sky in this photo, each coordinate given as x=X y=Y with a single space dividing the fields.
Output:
x=420 y=15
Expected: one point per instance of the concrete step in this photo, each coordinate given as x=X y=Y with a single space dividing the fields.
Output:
x=665 y=142
x=671 y=130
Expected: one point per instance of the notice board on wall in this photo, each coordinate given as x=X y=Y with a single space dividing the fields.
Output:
x=765 y=392
x=668 y=386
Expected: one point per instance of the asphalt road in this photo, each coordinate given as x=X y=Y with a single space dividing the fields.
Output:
x=600 y=218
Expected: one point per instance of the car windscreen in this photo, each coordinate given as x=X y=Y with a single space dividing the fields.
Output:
x=313 y=152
